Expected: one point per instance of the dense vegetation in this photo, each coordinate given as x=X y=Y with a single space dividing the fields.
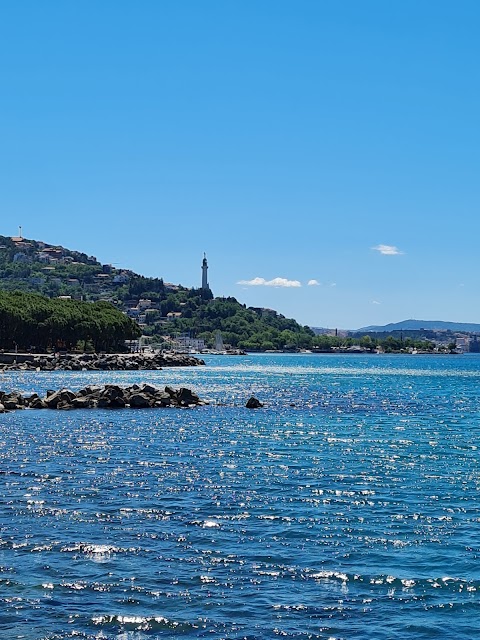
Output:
x=241 y=327
x=30 y=320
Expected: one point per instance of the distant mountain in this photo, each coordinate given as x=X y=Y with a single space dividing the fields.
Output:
x=417 y=325
x=321 y=331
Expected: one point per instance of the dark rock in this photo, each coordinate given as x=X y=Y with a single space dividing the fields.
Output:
x=37 y=403
x=140 y=401
x=83 y=402
x=253 y=403
x=64 y=404
x=149 y=389
x=62 y=396
x=11 y=404
x=187 y=397
x=163 y=399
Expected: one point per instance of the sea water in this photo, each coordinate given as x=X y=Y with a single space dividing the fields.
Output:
x=347 y=508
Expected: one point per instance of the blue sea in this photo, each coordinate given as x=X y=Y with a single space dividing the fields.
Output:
x=347 y=508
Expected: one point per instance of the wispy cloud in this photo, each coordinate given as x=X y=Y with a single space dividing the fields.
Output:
x=313 y=283
x=276 y=282
x=388 y=250
x=376 y=302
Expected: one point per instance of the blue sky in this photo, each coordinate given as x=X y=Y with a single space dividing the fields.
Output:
x=313 y=141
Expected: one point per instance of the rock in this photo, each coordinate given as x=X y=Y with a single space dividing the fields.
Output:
x=140 y=401
x=253 y=403
x=149 y=389
x=37 y=403
x=187 y=397
x=13 y=401
x=108 y=396
x=64 y=404
x=81 y=402
x=62 y=396
x=10 y=405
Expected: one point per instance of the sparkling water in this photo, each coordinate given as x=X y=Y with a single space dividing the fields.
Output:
x=346 y=508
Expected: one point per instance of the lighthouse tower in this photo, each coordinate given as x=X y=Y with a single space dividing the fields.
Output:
x=205 y=286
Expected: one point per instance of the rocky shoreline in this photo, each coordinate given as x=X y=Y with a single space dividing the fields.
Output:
x=95 y=362
x=109 y=396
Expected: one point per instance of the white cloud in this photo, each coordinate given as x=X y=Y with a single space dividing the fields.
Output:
x=387 y=250
x=376 y=302
x=276 y=282
x=333 y=284
x=313 y=283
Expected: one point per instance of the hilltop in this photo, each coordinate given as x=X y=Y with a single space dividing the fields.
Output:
x=164 y=311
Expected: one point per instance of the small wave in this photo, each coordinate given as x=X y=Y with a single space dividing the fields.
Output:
x=142 y=623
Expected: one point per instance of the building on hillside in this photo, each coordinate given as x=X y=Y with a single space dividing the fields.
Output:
x=120 y=278
x=463 y=343
x=25 y=246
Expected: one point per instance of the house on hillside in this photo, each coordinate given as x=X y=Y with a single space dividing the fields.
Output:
x=120 y=278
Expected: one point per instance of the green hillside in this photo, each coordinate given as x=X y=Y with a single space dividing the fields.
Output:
x=161 y=309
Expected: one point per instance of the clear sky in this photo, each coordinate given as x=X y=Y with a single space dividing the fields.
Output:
x=330 y=142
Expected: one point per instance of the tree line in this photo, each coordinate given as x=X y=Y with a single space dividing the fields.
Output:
x=31 y=321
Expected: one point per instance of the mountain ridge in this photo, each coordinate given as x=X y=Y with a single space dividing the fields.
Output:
x=418 y=325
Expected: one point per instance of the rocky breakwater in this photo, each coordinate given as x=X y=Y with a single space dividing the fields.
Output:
x=108 y=396
x=96 y=362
